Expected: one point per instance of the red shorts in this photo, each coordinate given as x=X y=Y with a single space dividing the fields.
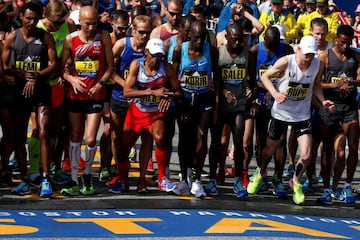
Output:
x=57 y=95
x=138 y=121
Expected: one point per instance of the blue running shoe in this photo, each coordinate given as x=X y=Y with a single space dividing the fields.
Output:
x=46 y=190
x=337 y=194
x=348 y=195
x=211 y=188
x=23 y=188
x=325 y=198
x=119 y=187
x=279 y=190
x=61 y=177
x=239 y=189
x=306 y=186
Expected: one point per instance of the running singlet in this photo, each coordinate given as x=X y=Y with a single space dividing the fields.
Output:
x=89 y=62
x=196 y=75
x=164 y=34
x=232 y=74
x=143 y=82
x=264 y=62
x=31 y=56
x=123 y=68
x=298 y=86
x=338 y=69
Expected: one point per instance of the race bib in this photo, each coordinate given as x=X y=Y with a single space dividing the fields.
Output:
x=297 y=91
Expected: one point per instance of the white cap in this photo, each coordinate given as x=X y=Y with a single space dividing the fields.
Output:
x=281 y=30
x=74 y=15
x=308 y=45
x=155 y=46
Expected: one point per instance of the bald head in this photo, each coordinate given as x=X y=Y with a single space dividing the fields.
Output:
x=88 y=12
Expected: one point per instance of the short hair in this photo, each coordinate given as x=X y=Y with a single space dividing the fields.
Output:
x=272 y=33
x=178 y=3
x=245 y=23
x=34 y=6
x=138 y=10
x=188 y=18
x=56 y=8
x=115 y=15
x=319 y=22
x=141 y=19
x=200 y=9
x=345 y=30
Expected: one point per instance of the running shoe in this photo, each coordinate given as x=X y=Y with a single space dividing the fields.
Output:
x=298 y=195
x=306 y=186
x=255 y=184
x=141 y=187
x=46 y=190
x=279 y=190
x=61 y=177
x=257 y=170
x=325 y=198
x=348 y=195
x=290 y=171
x=104 y=175
x=239 y=188
x=197 y=189
x=182 y=189
x=338 y=194
x=13 y=165
x=113 y=181
x=166 y=185
x=72 y=190
x=36 y=182
x=118 y=187
x=211 y=188
x=23 y=188
x=320 y=179
x=88 y=187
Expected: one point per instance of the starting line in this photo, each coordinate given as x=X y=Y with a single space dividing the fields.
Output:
x=171 y=223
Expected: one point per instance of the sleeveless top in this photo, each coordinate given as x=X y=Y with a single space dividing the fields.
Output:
x=299 y=88
x=89 y=62
x=232 y=74
x=143 y=82
x=164 y=34
x=338 y=69
x=122 y=68
x=195 y=76
x=264 y=62
x=30 y=56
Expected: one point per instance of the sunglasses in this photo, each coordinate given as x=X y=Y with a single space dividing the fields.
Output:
x=120 y=27
x=143 y=32
x=174 y=13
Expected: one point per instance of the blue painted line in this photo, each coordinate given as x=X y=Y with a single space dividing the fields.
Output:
x=171 y=223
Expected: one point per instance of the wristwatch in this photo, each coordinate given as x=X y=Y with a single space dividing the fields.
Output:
x=101 y=82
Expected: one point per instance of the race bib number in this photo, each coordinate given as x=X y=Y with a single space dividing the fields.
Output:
x=87 y=68
x=263 y=70
x=297 y=91
x=235 y=75
x=197 y=79
x=150 y=100
x=337 y=79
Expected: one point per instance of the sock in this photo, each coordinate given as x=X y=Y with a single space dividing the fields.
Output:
x=74 y=153
x=34 y=154
x=161 y=156
x=89 y=158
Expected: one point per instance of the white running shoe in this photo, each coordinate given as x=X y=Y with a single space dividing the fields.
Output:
x=182 y=189
x=197 y=189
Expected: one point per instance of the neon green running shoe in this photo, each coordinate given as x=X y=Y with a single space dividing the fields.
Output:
x=255 y=184
x=88 y=187
x=298 y=196
x=257 y=170
x=71 y=191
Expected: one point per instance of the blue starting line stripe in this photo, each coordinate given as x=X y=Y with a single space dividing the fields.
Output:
x=171 y=223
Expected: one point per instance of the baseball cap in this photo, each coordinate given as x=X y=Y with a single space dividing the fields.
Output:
x=277 y=1
x=74 y=15
x=357 y=9
x=155 y=46
x=321 y=3
x=308 y=45
x=310 y=1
